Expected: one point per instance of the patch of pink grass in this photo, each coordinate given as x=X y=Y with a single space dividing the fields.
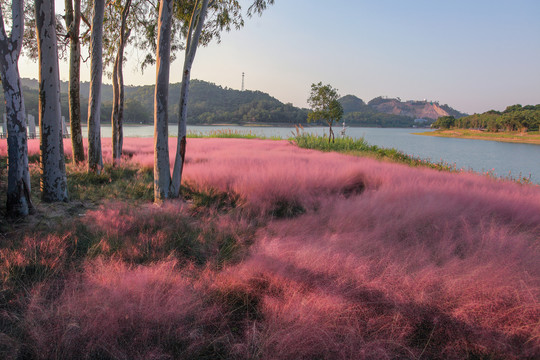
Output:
x=383 y=261
x=115 y=311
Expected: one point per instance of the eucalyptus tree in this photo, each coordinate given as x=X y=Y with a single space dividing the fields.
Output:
x=73 y=23
x=118 y=83
x=198 y=28
x=162 y=173
x=126 y=23
x=95 y=159
x=67 y=37
x=53 y=172
x=19 y=202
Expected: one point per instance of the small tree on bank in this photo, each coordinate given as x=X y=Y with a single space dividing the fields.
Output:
x=324 y=104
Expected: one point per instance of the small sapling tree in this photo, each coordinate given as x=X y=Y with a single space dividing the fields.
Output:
x=324 y=104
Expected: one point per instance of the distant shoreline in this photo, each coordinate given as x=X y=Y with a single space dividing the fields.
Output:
x=512 y=137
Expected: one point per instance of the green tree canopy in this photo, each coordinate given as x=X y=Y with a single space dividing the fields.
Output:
x=325 y=106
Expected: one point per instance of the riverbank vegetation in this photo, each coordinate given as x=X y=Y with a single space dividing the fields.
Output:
x=513 y=118
x=360 y=147
x=529 y=137
x=274 y=252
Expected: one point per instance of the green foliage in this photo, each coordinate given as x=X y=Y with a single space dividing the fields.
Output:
x=352 y=103
x=229 y=134
x=125 y=182
x=324 y=104
x=513 y=118
x=371 y=118
x=445 y=122
x=208 y=104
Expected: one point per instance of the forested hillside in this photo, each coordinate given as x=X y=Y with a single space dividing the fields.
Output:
x=208 y=104
x=513 y=118
x=390 y=112
x=213 y=104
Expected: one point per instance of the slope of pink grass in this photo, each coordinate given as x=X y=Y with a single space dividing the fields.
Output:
x=384 y=261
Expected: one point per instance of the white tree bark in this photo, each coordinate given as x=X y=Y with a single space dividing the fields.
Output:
x=18 y=193
x=73 y=20
x=117 y=117
x=162 y=172
x=95 y=160
x=194 y=33
x=53 y=172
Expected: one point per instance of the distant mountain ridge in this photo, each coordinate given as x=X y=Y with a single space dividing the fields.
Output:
x=213 y=104
x=394 y=106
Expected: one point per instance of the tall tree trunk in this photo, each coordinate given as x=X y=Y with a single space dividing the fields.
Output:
x=53 y=171
x=118 y=88
x=73 y=21
x=114 y=115
x=95 y=160
x=19 y=202
x=194 y=33
x=162 y=171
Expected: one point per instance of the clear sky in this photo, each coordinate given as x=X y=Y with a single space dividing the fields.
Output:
x=474 y=55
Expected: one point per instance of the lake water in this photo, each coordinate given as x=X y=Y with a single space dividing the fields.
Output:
x=503 y=159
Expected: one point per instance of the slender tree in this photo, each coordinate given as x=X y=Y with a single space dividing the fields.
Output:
x=19 y=202
x=192 y=42
x=225 y=14
x=162 y=173
x=95 y=160
x=118 y=87
x=73 y=22
x=53 y=172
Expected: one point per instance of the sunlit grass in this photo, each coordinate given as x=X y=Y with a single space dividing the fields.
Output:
x=361 y=147
x=230 y=134
x=531 y=137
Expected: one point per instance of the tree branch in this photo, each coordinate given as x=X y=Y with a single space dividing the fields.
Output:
x=3 y=35
x=85 y=20
x=17 y=27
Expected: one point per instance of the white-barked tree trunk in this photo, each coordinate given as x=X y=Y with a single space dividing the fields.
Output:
x=53 y=168
x=195 y=29
x=18 y=193
x=162 y=171
x=95 y=160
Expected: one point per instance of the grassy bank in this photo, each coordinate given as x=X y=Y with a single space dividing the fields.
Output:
x=514 y=136
x=275 y=252
x=360 y=147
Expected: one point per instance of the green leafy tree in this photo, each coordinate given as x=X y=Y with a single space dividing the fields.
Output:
x=444 y=122
x=325 y=106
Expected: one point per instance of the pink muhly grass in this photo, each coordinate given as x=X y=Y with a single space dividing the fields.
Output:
x=122 y=312
x=372 y=260
x=150 y=232
x=36 y=257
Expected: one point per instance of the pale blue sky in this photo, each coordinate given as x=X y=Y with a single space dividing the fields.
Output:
x=474 y=55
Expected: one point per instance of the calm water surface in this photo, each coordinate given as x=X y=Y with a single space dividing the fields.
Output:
x=503 y=159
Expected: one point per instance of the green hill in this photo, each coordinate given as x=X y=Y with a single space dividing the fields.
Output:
x=213 y=104
x=208 y=104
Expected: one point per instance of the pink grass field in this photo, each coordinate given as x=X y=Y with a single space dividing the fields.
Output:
x=372 y=260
